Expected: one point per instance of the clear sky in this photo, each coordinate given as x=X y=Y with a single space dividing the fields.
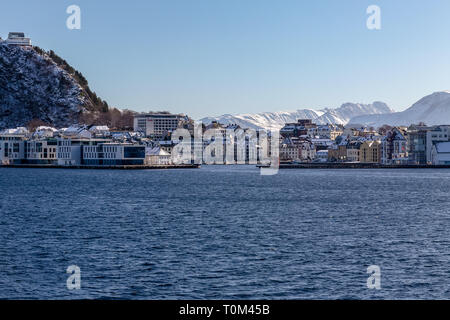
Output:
x=210 y=57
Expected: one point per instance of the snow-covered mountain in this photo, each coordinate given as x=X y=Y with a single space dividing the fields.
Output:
x=39 y=86
x=433 y=109
x=276 y=120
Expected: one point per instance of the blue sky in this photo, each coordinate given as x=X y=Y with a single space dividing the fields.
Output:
x=210 y=57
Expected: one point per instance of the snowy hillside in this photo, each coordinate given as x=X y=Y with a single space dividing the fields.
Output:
x=276 y=120
x=433 y=109
x=36 y=85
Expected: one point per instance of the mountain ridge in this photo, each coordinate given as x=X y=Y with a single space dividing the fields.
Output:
x=276 y=120
x=433 y=109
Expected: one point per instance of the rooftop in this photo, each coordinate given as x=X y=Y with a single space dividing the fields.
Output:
x=14 y=35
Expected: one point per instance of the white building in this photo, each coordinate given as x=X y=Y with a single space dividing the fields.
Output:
x=440 y=153
x=326 y=131
x=113 y=154
x=435 y=135
x=157 y=125
x=70 y=150
x=297 y=149
x=157 y=156
x=353 y=151
x=43 y=151
x=12 y=145
x=18 y=39
x=11 y=150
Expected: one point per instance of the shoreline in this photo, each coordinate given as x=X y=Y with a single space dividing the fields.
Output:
x=360 y=166
x=123 y=167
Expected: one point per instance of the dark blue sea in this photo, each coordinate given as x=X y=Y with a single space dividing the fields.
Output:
x=224 y=232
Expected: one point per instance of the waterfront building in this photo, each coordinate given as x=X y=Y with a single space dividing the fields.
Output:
x=369 y=152
x=440 y=154
x=434 y=135
x=157 y=156
x=12 y=145
x=113 y=154
x=307 y=150
x=289 y=152
x=353 y=152
x=70 y=149
x=157 y=125
x=42 y=151
x=338 y=153
x=417 y=144
x=297 y=149
x=394 y=147
x=11 y=151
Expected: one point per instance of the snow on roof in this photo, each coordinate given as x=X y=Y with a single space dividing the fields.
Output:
x=99 y=128
x=443 y=147
x=77 y=131
x=44 y=128
x=18 y=130
x=72 y=129
x=156 y=151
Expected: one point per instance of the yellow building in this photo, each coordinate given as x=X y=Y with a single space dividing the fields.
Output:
x=370 y=152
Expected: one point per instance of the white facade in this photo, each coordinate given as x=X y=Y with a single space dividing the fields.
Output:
x=353 y=151
x=157 y=156
x=68 y=154
x=70 y=150
x=297 y=150
x=437 y=134
x=156 y=125
x=18 y=39
x=327 y=131
x=11 y=149
x=12 y=145
x=41 y=151
x=109 y=151
x=440 y=153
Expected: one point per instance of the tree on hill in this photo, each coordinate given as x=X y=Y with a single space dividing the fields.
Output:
x=35 y=123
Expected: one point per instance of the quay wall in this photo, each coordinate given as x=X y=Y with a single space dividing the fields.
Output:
x=124 y=167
